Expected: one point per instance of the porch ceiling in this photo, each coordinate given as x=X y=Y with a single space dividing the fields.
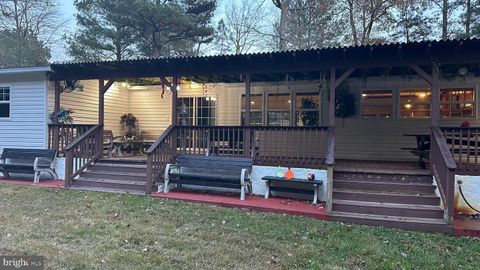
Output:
x=371 y=56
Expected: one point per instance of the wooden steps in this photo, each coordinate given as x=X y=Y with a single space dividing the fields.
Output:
x=118 y=176
x=405 y=201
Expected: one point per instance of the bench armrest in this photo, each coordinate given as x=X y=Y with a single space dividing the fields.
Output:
x=41 y=160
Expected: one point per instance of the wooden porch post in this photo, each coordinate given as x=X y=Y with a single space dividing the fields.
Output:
x=176 y=81
x=331 y=106
x=58 y=91
x=247 y=132
x=101 y=113
x=434 y=83
x=174 y=100
x=55 y=143
x=435 y=113
x=101 y=102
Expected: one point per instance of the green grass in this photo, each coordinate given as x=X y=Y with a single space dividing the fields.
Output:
x=88 y=230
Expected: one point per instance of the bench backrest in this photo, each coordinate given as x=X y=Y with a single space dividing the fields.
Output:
x=27 y=155
x=214 y=162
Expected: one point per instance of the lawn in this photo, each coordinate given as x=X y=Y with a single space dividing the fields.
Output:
x=88 y=230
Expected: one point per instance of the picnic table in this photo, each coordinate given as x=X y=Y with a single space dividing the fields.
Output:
x=316 y=185
x=422 y=150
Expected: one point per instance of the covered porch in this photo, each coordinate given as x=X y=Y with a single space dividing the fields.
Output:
x=279 y=139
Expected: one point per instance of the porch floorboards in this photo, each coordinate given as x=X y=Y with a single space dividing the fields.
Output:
x=379 y=166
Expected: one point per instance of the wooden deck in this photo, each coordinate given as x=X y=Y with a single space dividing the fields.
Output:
x=377 y=166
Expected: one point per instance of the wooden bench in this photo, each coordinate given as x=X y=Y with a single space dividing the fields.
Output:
x=210 y=171
x=316 y=185
x=28 y=161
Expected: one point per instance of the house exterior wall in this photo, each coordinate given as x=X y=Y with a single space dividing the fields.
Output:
x=85 y=104
x=26 y=127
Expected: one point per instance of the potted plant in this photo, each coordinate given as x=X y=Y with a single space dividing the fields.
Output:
x=62 y=116
x=129 y=124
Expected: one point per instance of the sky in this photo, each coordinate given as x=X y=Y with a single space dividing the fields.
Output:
x=68 y=11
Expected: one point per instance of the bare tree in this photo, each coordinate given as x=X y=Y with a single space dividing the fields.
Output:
x=364 y=16
x=411 y=21
x=39 y=18
x=241 y=28
x=284 y=6
x=312 y=24
x=447 y=9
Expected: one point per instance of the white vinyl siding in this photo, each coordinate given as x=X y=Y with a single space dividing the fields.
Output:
x=26 y=126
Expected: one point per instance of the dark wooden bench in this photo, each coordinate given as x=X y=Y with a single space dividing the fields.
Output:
x=210 y=171
x=28 y=161
x=316 y=185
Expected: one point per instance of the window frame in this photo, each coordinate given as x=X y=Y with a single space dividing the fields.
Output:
x=395 y=101
x=9 y=102
x=297 y=111
x=473 y=102
x=195 y=106
x=400 y=104
x=289 y=110
x=262 y=110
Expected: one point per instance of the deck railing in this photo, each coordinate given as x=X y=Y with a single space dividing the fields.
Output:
x=443 y=168
x=464 y=145
x=290 y=146
x=162 y=152
x=267 y=145
x=83 y=151
x=61 y=135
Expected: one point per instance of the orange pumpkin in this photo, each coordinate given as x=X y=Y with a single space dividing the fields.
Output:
x=289 y=174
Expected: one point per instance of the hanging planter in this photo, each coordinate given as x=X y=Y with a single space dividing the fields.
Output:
x=345 y=103
x=62 y=116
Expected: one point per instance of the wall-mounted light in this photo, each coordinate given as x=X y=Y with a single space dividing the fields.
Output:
x=463 y=71
x=408 y=106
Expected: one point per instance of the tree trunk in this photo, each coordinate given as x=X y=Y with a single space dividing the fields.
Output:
x=283 y=20
x=352 y=23
x=445 y=20
x=468 y=18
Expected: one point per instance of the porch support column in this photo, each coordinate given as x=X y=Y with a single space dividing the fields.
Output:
x=334 y=83
x=247 y=136
x=248 y=87
x=434 y=83
x=101 y=102
x=435 y=114
x=56 y=106
x=175 y=83
x=55 y=140
x=331 y=106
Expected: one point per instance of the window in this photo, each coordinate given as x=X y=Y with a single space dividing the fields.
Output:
x=415 y=103
x=206 y=107
x=307 y=109
x=278 y=109
x=4 y=102
x=256 y=106
x=377 y=104
x=196 y=111
x=185 y=111
x=457 y=103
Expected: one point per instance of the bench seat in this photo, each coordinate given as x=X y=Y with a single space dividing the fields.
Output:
x=28 y=161
x=315 y=185
x=210 y=172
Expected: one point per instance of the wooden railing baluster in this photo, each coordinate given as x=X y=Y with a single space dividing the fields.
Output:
x=81 y=152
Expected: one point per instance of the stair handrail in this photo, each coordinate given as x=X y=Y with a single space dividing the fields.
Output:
x=159 y=154
x=330 y=162
x=82 y=152
x=442 y=166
